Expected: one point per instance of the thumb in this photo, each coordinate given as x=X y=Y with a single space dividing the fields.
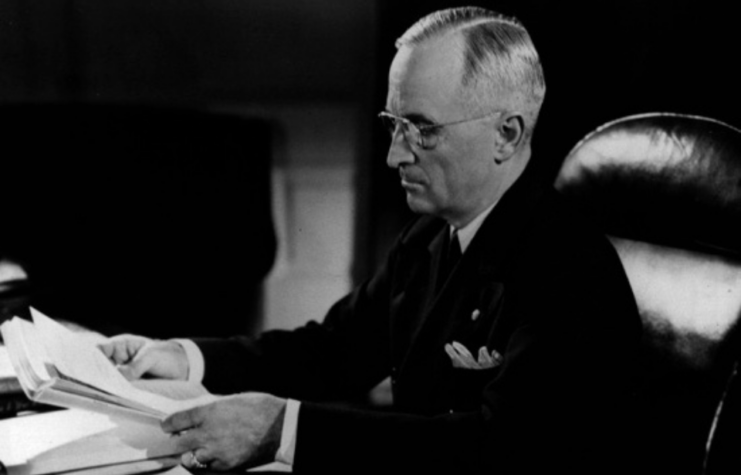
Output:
x=137 y=367
x=129 y=372
x=182 y=420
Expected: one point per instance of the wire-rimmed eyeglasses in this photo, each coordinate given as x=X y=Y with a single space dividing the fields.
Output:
x=424 y=136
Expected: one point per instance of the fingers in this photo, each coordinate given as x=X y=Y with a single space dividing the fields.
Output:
x=201 y=459
x=138 y=356
x=144 y=359
x=122 y=348
x=193 y=440
x=230 y=432
x=132 y=372
x=194 y=460
x=183 y=421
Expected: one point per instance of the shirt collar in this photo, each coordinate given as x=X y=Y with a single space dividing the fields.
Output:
x=467 y=232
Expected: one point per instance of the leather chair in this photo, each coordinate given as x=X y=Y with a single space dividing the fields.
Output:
x=666 y=189
x=141 y=219
x=723 y=456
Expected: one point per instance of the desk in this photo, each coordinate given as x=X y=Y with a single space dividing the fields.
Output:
x=74 y=439
x=86 y=442
x=79 y=441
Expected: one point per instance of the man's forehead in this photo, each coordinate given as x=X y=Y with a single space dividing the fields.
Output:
x=426 y=77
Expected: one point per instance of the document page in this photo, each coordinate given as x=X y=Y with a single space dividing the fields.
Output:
x=6 y=368
x=21 y=340
x=26 y=437
x=59 y=366
x=77 y=358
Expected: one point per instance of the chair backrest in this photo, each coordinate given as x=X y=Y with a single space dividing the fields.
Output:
x=723 y=456
x=666 y=189
x=151 y=220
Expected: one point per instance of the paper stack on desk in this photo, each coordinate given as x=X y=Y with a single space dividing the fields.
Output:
x=57 y=366
x=12 y=398
x=76 y=441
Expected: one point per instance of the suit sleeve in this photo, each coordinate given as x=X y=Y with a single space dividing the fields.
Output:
x=344 y=356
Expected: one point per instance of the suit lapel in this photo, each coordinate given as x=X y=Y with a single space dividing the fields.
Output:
x=476 y=279
x=489 y=254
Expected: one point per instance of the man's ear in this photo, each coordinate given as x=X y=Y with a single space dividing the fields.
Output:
x=509 y=136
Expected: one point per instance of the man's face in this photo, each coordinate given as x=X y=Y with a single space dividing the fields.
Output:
x=456 y=179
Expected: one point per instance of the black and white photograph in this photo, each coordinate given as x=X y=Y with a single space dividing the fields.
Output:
x=370 y=237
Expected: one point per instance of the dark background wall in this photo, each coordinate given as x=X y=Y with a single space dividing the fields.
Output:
x=189 y=52
x=305 y=67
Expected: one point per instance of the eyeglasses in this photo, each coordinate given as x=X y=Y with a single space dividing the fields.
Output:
x=424 y=136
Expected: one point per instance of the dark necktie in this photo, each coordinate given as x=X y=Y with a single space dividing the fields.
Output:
x=451 y=255
x=454 y=251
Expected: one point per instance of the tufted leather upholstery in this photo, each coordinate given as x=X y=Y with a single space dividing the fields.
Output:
x=666 y=189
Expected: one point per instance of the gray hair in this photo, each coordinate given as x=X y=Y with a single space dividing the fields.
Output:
x=500 y=63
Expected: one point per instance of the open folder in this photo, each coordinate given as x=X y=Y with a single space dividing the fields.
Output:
x=58 y=366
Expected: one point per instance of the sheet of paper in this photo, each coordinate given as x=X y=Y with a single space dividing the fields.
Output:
x=164 y=404
x=272 y=467
x=23 y=438
x=76 y=440
x=6 y=369
x=130 y=468
x=77 y=357
x=178 y=390
x=26 y=353
x=178 y=470
x=172 y=396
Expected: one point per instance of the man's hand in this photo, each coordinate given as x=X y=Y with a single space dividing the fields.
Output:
x=239 y=430
x=137 y=356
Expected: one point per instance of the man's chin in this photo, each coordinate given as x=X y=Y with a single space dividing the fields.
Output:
x=419 y=205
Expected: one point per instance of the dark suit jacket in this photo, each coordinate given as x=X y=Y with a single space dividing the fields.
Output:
x=553 y=300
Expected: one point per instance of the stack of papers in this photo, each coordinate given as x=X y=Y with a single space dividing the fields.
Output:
x=6 y=369
x=57 y=366
x=67 y=440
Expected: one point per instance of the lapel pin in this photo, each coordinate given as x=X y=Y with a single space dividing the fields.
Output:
x=475 y=314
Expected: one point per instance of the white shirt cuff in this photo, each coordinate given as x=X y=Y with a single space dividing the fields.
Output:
x=287 y=449
x=196 y=363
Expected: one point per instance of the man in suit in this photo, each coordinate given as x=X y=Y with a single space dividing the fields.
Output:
x=515 y=358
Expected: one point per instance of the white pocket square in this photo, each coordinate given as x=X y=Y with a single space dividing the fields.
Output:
x=462 y=358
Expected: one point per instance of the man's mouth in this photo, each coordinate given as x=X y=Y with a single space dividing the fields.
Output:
x=410 y=182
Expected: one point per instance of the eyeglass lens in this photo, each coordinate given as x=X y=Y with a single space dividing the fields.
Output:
x=408 y=129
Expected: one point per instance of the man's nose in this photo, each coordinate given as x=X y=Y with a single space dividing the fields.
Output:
x=399 y=151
